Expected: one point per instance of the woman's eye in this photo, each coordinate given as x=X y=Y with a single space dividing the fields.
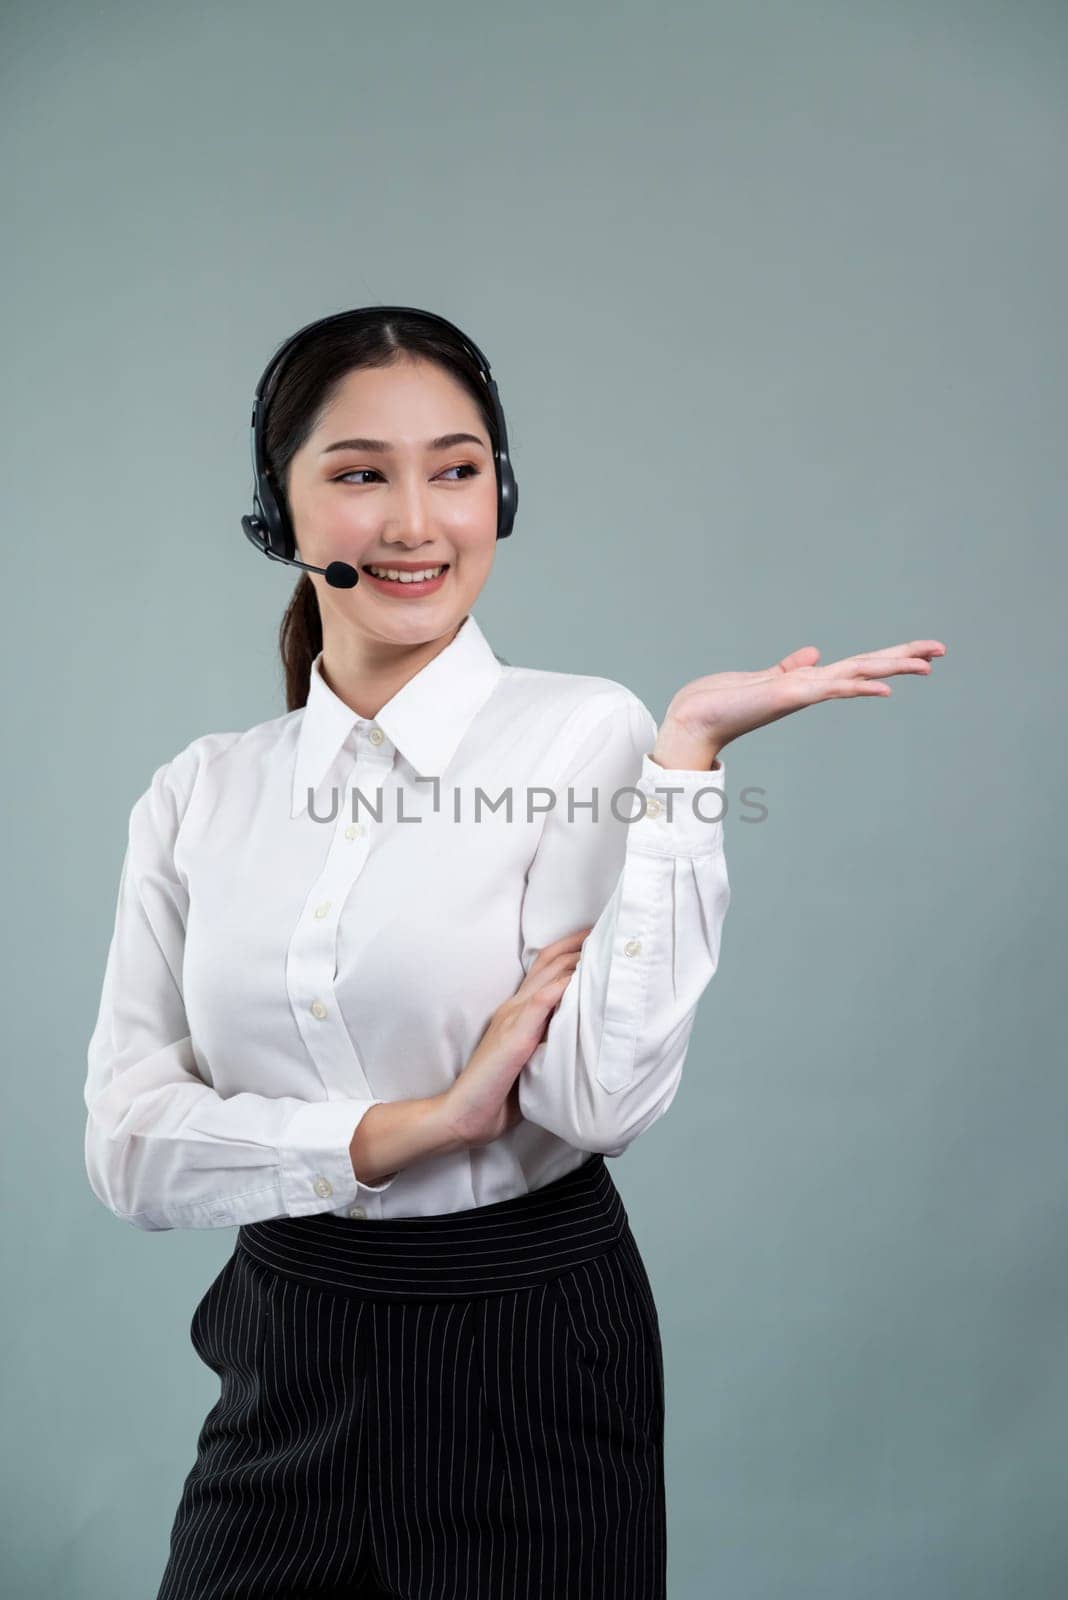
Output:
x=354 y=472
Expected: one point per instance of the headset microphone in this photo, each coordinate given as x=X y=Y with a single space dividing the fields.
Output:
x=339 y=573
x=269 y=527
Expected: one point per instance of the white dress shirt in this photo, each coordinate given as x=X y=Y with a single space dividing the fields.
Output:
x=280 y=964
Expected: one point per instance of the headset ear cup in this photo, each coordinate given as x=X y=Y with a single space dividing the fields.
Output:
x=507 y=500
x=507 y=488
x=279 y=532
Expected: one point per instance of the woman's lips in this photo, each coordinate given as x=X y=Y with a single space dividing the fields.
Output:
x=400 y=590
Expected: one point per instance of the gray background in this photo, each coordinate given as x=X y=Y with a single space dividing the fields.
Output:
x=774 y=292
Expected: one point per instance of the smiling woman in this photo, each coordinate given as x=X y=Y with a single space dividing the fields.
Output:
x=393 y=1042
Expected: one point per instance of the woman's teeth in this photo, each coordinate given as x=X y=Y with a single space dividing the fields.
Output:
x=406 y=577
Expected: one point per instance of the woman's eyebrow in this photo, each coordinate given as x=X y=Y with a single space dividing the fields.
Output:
x=445 y=441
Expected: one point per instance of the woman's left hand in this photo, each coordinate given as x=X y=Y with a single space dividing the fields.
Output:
x=708 y=713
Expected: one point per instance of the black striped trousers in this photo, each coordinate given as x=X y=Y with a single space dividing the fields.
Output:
x=467 y=1406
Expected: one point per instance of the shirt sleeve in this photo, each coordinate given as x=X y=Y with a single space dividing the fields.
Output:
x=163 y=1148
x=656 y=891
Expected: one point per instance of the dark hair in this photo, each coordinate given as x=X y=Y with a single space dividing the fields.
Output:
x=299 y=395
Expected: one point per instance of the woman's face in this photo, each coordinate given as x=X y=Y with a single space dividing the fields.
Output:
x=408 y=501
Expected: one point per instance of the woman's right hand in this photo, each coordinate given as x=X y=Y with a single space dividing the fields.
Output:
x=483 y=1102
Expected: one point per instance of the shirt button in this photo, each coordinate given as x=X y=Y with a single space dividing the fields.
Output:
x=354 y=830
x=320 y=911
x=356 y=1212
x=318 y=1009
x=632 y=947
x=323 y=1186
x=653 y=806
x=376 y=736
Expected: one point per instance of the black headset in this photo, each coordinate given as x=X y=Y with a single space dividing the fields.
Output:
x=269 y=527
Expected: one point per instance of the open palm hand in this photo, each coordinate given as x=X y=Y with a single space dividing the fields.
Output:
x=708 y=713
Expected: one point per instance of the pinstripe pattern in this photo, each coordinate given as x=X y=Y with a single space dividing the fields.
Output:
x=443 y=1408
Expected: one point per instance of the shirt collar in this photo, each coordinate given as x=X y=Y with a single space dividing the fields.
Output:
x=425 y=719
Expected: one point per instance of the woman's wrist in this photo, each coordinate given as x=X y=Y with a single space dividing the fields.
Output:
x=681 y=754
x=397 y=1133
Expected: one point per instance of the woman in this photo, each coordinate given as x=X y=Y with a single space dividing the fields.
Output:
x=391 y=975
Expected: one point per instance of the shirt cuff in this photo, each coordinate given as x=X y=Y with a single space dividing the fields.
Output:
x=684 y=810
x=315 y=1158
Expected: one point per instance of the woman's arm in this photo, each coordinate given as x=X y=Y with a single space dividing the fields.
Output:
x=163 y=1148
x=396 y=1133
x=657 y=893
x=612 y=1059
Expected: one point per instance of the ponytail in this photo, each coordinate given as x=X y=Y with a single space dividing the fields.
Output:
x=300 y=638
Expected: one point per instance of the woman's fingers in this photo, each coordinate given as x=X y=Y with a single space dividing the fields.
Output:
x=807 y=656
x=915 y=650
x=860 y=674
x=552 y=959
x=862 y=677
x=543 y=985
x=886 y=667
x=852 y=674
x=570 y=941
x=562 y=965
